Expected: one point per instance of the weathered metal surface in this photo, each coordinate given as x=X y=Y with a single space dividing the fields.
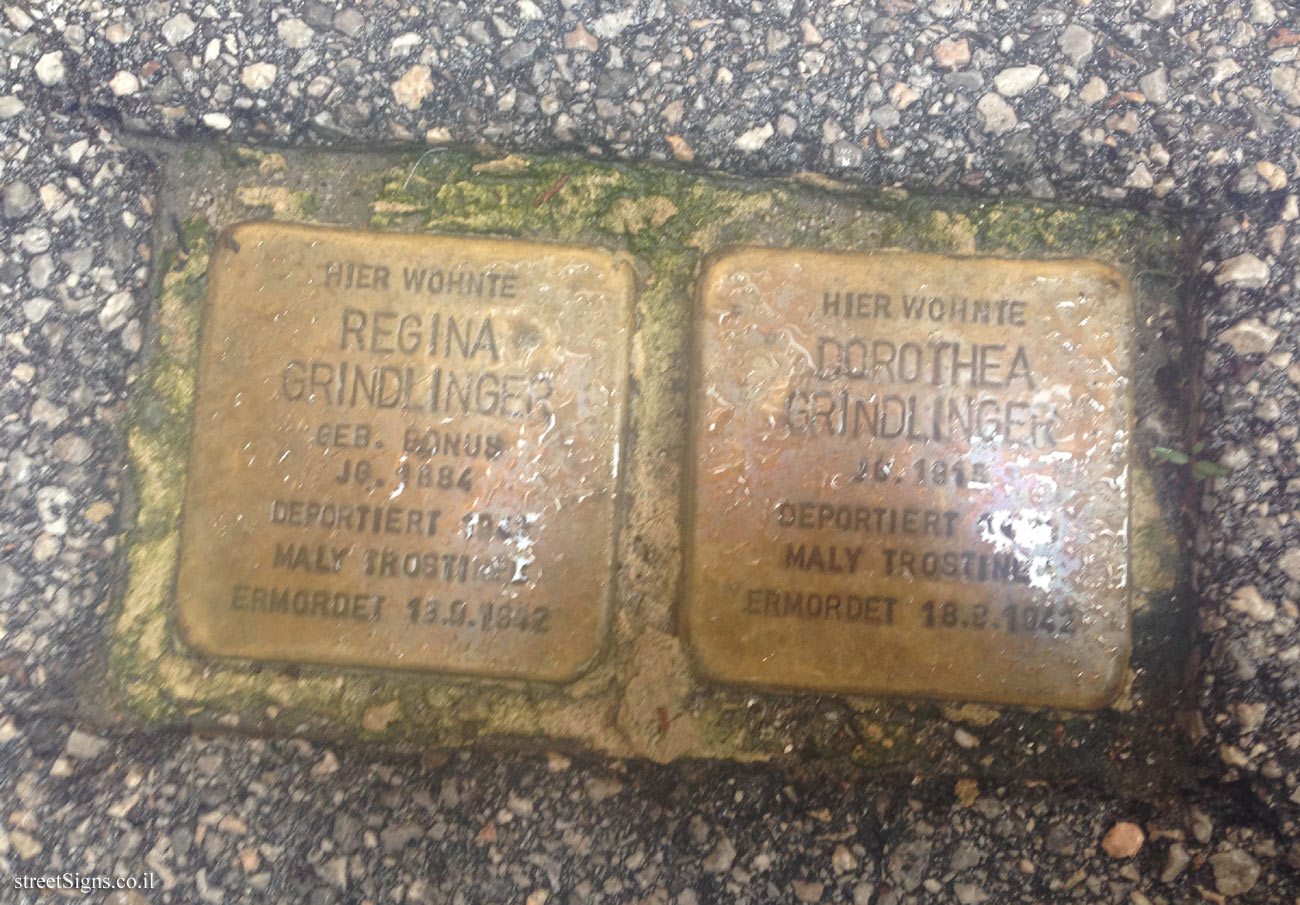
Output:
x=405 y=452
x=911 y=475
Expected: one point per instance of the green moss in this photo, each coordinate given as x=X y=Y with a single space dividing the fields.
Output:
x=238 y=160
x=198 y=234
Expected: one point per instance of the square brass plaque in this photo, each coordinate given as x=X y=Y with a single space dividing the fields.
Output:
x=405 y=452
x=910 y=475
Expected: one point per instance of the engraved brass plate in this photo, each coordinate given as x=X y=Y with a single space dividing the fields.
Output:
x=910 y=475
x=405 y=452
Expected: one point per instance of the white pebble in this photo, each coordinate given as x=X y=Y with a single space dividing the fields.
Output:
x=1016 y=80
x=178 y=28
x=124 y=83
x=49 y=68
x=258 y=76
x=218 y=121
x=1245 y=270
x=755 y=138
x=997 y=114
x=294 y=33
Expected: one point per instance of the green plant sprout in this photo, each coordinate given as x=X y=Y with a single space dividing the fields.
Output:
x=1201 y=468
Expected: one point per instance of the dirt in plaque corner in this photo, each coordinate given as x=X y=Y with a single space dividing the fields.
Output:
x=643 y=697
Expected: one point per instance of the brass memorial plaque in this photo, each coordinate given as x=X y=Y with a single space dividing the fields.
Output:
x=405 y=452
x=910 y=475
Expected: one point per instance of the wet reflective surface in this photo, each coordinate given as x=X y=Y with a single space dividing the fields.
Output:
x=911 y=475
x=405 y=452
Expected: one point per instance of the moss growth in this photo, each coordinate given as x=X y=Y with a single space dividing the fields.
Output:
x=277 y=202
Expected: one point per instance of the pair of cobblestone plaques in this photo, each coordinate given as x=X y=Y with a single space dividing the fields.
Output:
x=550 y=475
x=908 y=471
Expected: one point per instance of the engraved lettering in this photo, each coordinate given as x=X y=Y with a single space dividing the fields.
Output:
x=898 y=462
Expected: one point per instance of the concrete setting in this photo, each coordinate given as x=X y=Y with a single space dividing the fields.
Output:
x=1166 y=108
x=644 y=692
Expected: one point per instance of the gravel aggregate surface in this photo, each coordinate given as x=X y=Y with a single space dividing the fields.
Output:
x=1191 y=108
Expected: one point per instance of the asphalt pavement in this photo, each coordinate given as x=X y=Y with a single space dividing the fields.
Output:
x=1191 y=109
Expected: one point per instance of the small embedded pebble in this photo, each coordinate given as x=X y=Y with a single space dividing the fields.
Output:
x=600 y=789
x=11 y=106
x=1155 y=86
x=326 y=766
x=1123 y=840
x=1016 y=80
x=721 y=858
x=1158 y=10
x=116 y=311
x=295 y=33
x=1250 y=337
x=50 y=69
x=1248 y=600
x=754 y=138
x=19 y=199
x=178 y=28
x=842 y=860
x=581 y=39
x=807 y=891
x=73 y=448
x=1235 y=872
x=349 y=21
x=124 y=83
x=1244 y=270
x=218 y=121
x=682 y=151
x=1176 y=863
x=413 y=87
x=952 y=52
x=997 y=114
x=27 y=846
x=258 y=76
x=1093 y=90
x=1076 y=43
